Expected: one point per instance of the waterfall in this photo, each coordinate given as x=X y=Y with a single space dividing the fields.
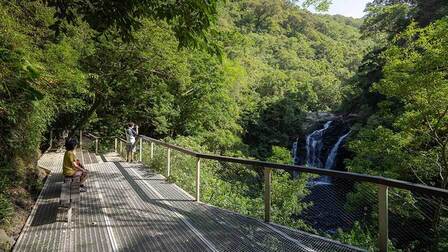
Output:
x=334 y=152
x=314 y=144
x=295 y=157
x=329 y=164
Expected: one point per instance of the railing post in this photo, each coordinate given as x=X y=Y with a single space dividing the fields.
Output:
x=51 y=139
x=152 y=150
x=140 y=150
x=116 y=145
x=80 y=138
x=168 y=168
x=267 y=194
x=383 y=218
x=198 y=179
x=121 y=148
x=96 y=146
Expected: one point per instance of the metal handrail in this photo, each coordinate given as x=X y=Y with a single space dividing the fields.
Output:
x=171 y=146
x=92 y=136
x=382 y=182
x=339 y=174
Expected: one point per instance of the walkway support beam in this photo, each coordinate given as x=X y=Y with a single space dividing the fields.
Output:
x=267 y=194
x=383 y=217
x=198 y=179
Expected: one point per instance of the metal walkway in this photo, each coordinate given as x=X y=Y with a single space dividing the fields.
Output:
x=129 y=208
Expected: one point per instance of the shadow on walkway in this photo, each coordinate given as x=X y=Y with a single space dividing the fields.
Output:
x=140 y=192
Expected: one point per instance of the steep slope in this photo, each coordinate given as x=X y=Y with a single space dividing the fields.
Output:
x=295 y=62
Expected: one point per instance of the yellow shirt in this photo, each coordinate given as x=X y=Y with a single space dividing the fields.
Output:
x=68 y=168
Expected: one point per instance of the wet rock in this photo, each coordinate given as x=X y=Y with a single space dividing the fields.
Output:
x=313 y=119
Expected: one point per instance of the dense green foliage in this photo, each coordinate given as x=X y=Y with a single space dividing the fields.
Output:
x=188 y=19
x=235 y=78
x=295 y=63
x=72 y=65
x=400 y=94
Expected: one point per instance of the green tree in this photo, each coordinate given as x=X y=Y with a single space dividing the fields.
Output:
x=33 y=72
x=135 y=81
x=408 y=137
x=189 y=19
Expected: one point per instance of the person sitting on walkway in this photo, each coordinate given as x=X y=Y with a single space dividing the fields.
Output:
x=72 y=167
x=130 y=142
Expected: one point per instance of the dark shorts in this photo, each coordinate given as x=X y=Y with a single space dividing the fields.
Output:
x=130 y=148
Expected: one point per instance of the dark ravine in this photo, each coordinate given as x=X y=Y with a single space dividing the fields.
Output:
x=323 y=147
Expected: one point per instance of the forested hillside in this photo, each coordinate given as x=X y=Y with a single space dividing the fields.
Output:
x=274 y=58
x=235 y=78
x=400 y=95
x=294 y=62
x=237 y=89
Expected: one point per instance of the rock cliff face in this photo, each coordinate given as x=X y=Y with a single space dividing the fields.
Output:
x=313 y=120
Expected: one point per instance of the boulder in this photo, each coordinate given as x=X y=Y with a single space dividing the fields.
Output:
x=6 y=242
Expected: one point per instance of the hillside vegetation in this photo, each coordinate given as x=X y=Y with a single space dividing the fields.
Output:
x=273 y=58
x=234 y=78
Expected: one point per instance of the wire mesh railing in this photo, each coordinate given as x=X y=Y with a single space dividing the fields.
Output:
x=418 y=221
x=369 y=212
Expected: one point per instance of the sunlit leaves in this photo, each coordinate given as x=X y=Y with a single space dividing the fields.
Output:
x=188 y=18
x=321 y=5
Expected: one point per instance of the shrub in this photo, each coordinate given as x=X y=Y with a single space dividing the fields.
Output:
x=6 y=209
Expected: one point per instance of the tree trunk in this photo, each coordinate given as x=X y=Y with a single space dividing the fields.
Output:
x=440 y=201
x=86 y=116
x=436 y=223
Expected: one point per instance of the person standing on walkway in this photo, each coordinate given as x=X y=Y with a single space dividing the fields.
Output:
x=131 y=134
x=71 y=166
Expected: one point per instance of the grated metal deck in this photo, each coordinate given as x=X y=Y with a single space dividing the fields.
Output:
x=129 y=208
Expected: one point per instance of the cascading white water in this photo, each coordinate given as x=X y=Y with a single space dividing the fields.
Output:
x=329 y=164
x=334 y=152
x=295 y=157
x=314 y=144
x=328 y=200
